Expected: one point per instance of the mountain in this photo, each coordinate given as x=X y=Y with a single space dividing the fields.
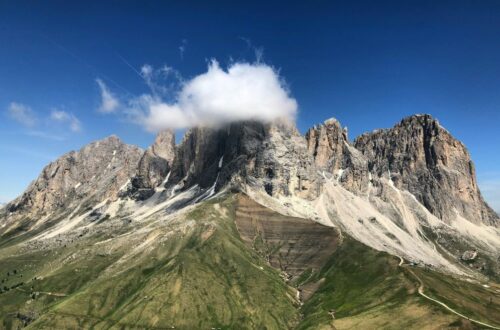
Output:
x=423 y=158
x=153 y=166
x=253 y=225
x=73 y=184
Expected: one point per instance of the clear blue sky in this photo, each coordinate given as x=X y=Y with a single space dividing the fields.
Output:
x=367 y=63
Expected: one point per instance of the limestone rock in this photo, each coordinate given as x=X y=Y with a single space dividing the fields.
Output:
x=96 y=172
x=271 y=156
x=153 y=167
x=328 y=144
x=422 y=157
x=469 y=255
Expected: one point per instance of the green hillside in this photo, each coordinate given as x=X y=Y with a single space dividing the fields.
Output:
x=194 y=271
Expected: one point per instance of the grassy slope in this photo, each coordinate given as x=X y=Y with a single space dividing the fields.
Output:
x=475 y=301
x=366 y=289
x=201 y=278
x=204 y=276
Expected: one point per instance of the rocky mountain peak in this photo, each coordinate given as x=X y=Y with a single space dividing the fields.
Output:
x=164 y=145
x=420 y=156
x=272 y=156
x=96 y=171
x=154 y=166
x=328 y=144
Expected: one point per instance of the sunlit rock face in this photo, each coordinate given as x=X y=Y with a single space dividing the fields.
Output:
x=424 y=158
x=96 y=171
x=328 y=144
x=154 y=166
x=390 y=189
x=270 y=156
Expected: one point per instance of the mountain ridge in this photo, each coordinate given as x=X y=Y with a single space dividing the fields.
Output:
x=250 y=195
x=275 y=158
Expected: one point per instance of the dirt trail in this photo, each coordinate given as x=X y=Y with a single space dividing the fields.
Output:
x=421 y=292
x=55 y=294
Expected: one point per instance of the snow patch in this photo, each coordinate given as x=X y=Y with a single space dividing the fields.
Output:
x=339 y=174
x=161 y=187
x=125 y=185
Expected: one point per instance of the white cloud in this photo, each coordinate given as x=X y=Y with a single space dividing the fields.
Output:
x=22 y=114
x=64 y=117
x=182 y=48
x=109 y=103
x=242 y=92
x=162 y=82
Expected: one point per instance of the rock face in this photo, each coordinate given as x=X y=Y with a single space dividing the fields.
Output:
x=388 y=190
x=271 y=156
x=418 y=155
x=154 y=166
x=328 y=144
x=97 y=171
x=422 y=157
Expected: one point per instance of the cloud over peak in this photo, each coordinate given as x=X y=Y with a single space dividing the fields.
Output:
x=244 y=91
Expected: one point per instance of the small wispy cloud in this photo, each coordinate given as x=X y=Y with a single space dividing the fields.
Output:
x=43 y=126
x=162 y=82
x=109 y=103
x=182 y=48
x=22 y=114
x=258 y=51
x=66 y=118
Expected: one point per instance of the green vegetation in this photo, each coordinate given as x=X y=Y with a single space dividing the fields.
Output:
x=195 y=272
x=475 y=301
x=362 y=288
x=201 y=276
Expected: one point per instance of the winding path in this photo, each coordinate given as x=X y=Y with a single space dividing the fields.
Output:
x=421 y=292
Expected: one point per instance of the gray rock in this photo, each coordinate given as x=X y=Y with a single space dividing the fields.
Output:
x=328 y=144
x=425 y=159
x=469 y=255
x=271 y=156
x=92 y=174
x=154 y=166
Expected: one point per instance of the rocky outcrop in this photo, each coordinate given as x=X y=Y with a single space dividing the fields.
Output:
x=271 y=156
x=329 y=145
x=366 y=189
x=94 y=173
x=422 y=157
x=469 y=255
x=154 y=166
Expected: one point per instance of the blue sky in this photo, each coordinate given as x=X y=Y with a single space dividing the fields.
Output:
x=366 y=63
